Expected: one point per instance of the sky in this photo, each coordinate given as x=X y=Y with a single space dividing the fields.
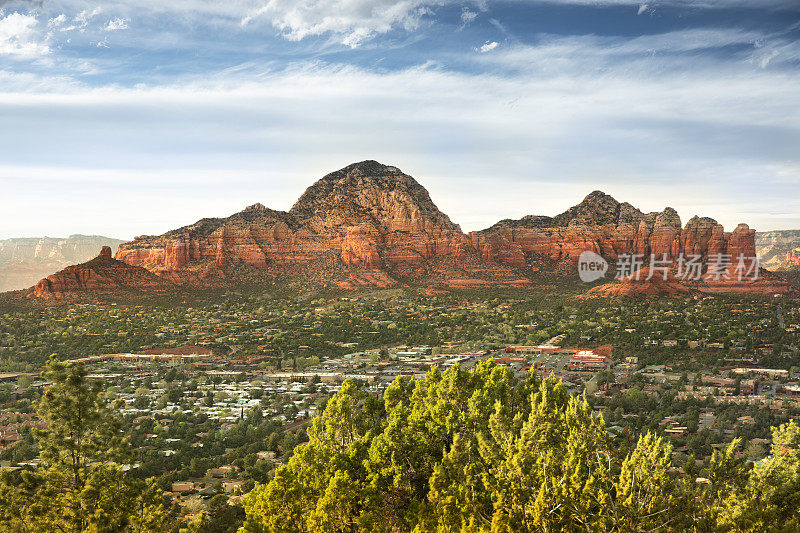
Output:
x=132 y=117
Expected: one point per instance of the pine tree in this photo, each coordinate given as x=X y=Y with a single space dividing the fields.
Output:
x=80 y=485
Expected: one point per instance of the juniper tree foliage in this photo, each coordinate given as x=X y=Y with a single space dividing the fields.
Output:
x=80 y=485
x=769 y=499
x=481 y=451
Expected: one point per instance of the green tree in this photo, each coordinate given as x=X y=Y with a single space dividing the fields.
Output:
x=81 y=485
x=467 y=451
x=771 y=497
x=645 y=493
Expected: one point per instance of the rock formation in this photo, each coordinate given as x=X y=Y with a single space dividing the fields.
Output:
x=101 y=275
x=370 y=224
x=603 y=225
x=793 y=259
x=641 y=283
x=367 y=216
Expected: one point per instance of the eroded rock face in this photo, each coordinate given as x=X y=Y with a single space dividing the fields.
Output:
x=201 y=253
x=603 y=225
x=793 y=259
x=641 y=283
x=377 y=216
x=101 y=275
x=644 y=284
x=779 y=250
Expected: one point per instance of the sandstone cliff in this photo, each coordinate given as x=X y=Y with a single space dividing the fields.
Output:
x=603 y=225
x=644 y=284
x=365 y=225
x=641 y=283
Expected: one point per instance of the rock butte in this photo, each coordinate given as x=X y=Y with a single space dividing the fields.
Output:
x=371 y=225
x=101 y=275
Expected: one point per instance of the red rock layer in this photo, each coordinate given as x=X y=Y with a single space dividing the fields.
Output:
x=101 y=275
x=764 y=284
x=609 y=228
x=637 y=284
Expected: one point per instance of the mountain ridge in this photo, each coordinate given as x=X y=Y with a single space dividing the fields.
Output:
x=370 y=224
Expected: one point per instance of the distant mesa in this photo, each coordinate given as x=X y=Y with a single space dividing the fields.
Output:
x=24 y=261
x=371 y=225
x=779 y=250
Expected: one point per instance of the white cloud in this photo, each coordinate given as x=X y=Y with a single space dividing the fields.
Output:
x=351 y=21
x=646 y=54
x=467 y=16
x=83 y=18
x=117 y=23
x=19 y=36
x=487 y=146
x=488 y=46
x=642 y=9
x=57 y=22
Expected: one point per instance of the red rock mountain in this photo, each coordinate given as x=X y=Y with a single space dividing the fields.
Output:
x=609 y=228
x=366 y=224
x=370 y=224
x=603 y=225
x=101 y=275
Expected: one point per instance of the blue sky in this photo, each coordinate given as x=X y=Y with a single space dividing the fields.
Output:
x=128 y=117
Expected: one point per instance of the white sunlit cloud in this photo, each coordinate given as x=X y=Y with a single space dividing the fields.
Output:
x=57 y=22
x=572 y=54
x=488 y=46
x=117 y=23
x=467 y=16
x=83 y=18
x=19 y=36
x=353 y=21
